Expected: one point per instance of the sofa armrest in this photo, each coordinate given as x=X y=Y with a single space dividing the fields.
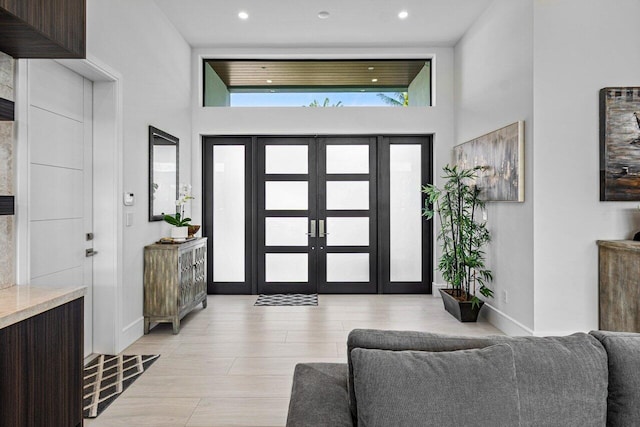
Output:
x=319 y=396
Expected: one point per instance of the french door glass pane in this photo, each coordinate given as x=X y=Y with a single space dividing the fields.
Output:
x=282 y=231
x=286 y=195
x=286 y=159
x=347 y=195
x=348 y=231
x=286 y=267
x=347 y=159
x=347 y=267
x=228 y=213
x=405 y=208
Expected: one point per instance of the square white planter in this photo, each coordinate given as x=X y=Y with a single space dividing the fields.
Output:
x=179 y=232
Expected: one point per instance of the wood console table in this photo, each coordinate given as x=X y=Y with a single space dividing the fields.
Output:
x=619 y=290
x=175 y=281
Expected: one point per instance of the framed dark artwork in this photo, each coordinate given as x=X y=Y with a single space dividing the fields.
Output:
x=620 y=144
x=501 y=153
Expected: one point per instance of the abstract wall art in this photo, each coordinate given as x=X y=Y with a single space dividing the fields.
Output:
x=501 y=153
x=620 y=143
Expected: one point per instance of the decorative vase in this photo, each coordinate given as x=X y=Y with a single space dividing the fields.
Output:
x=464 y=311
x=193 y=229
x=179 y=232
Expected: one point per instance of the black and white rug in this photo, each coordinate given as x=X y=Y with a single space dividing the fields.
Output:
x=106 y=377
x=287 y=299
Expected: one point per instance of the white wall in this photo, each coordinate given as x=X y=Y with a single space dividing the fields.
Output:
x=137 y=40
x=348 y=120
x=216 y=93
x=420 y=88
x=580 y=46
x=493 y=88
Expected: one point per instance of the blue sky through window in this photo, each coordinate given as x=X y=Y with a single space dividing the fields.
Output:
x=299 y=99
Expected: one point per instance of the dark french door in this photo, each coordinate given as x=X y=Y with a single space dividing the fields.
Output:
x=302 y=214
x=317 y=215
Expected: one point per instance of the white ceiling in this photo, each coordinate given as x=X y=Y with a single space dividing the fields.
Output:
x=295 y=23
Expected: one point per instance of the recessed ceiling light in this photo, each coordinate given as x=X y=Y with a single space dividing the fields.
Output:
x=371 y=68
x=374 y=80
x=323 y=14
x=269 y=81
x=243 y=15
x=403 y=14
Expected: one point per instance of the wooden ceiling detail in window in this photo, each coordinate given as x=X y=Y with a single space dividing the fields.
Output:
x=238 y=74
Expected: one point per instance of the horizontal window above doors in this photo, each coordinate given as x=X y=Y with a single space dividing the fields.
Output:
x=316 y=83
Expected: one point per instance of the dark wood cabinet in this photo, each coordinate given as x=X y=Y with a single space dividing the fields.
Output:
x=43 y=28
x=41 y=369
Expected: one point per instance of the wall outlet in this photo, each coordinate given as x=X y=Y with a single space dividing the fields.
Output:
x=505 y=296
x=434 y=289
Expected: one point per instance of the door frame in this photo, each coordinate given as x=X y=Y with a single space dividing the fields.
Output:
x=381 y=274
x=311 y=286
x=109 y=335
x=250 y=248
x=372 y=249
x=384 y=280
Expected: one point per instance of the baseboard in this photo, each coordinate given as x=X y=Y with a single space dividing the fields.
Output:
x=131 y=333
x=504 y=322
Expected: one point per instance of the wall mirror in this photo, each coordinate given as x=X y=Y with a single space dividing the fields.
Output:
x=163 y=173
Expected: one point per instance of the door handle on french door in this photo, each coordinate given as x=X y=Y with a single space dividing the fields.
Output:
x=312 y=228
x=321 y=229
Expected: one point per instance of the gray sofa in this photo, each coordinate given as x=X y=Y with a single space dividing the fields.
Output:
x=402 y=378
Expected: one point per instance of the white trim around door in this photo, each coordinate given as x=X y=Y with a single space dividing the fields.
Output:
x=108 y=334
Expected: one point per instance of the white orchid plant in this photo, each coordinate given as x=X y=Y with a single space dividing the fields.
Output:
x=179 y=219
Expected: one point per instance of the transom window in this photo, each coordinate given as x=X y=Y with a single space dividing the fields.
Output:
x=317 y=83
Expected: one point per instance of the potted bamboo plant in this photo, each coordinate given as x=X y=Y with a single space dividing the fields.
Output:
x=462 y=261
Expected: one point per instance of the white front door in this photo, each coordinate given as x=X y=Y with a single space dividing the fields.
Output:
x=60 y=128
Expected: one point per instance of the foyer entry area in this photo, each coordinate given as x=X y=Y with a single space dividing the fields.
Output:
x=327 y=214
x=232 y=363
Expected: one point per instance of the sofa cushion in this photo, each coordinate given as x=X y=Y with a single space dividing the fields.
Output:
x=623 y=349
x=566 y=376
x=403 y=340
x=410 y=388
x=319 y=396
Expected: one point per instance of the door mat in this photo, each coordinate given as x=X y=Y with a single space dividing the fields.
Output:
x=287 y=299
x=106 y=377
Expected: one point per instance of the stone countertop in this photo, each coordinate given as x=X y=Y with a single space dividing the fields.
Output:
x=18 y=303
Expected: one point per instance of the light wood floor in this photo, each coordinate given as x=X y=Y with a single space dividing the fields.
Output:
x=232 y=363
